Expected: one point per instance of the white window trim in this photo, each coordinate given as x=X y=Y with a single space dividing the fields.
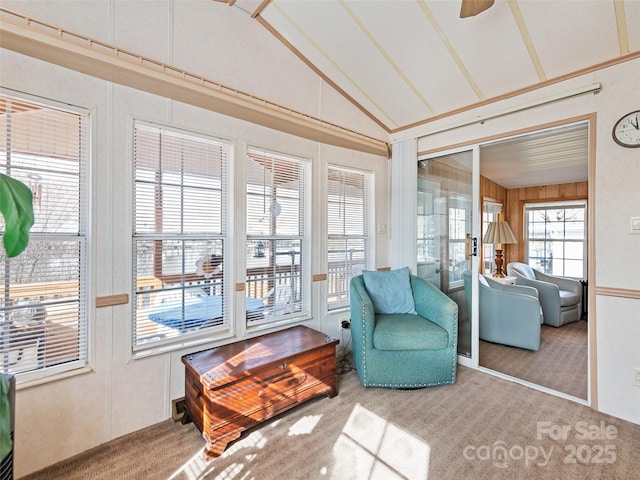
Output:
x=559 y=204
x=207 y=336
x=85 y=363
x=369 y=237
x=305 y=242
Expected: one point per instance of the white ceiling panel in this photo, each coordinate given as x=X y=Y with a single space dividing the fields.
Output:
x=420 y=56
x=632 y=16
x=569 y=35
x=320 y=30
x=497 y=62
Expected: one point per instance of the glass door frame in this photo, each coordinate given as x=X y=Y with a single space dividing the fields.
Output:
x=476 y=218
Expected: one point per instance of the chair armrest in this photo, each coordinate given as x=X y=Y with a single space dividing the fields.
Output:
x=522 y=290
x=548 y=293
x=506 y=287
x=362 y=314
x=543 y=288
x=563 y=283
x=435 y=306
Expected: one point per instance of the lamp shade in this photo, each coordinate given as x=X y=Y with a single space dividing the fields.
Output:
x=499 y=232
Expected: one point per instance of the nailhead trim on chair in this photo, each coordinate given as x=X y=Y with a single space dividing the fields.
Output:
x=455 y=350
x=419 y=385
x=364 y=342
x=403 y=385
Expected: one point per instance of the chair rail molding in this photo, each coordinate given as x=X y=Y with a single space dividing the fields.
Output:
x=618 y=292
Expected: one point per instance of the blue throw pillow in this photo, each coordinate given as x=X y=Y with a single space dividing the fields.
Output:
x=390 y=291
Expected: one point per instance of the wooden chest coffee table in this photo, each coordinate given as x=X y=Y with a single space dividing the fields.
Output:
x=234 y=387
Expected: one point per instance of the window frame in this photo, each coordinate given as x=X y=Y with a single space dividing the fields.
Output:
x=293 y=302
x=557 y=205
x=54 y=296
x=194 y=281
x=367 y=236
x=458 y=222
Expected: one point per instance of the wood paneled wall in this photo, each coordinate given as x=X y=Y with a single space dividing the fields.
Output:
x=490 y=190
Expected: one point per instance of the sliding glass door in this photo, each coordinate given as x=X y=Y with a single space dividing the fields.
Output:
x=447 y=236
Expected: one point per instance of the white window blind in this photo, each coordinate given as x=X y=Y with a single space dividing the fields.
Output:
x=179 y=239
x=43 y=304
x=350 y=243
x=276 y=260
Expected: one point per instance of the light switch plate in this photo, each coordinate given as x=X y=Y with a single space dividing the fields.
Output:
x=635 y=225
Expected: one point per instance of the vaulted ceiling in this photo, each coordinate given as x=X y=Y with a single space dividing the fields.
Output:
x=407 y=62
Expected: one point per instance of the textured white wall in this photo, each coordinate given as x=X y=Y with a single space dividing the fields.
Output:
x=402 y=220
x=63 y=418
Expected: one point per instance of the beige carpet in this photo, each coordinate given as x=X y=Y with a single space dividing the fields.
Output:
x=481 y=427
x=560 y=364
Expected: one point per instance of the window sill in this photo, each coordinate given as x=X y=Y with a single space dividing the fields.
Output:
x=24 y=385
x=181 y=344
x=278 y=323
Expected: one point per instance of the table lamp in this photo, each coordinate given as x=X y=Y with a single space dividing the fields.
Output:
x=498 y=233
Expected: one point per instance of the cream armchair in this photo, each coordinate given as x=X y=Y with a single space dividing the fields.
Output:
x=509 y=314
x=560 y=297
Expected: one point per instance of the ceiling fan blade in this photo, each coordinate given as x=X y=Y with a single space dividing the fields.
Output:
x=470 y=8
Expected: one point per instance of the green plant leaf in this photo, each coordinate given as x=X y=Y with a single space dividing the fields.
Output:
x=16 y=205
x=5 y=418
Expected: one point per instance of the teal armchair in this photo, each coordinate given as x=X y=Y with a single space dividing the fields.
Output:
x=405 y=350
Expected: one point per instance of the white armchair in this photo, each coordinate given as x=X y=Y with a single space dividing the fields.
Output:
x=509 y=314
x=560 y=297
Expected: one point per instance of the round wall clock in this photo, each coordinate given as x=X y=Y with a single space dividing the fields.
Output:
x=626 y=131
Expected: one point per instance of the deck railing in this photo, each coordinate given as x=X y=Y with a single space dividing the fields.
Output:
x=258 y=284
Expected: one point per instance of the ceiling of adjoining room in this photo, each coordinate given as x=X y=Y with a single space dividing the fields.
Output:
x=405 y=62
x=557 y=156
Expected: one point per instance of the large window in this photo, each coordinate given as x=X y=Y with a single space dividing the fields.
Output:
x=179 y=237
x=349 y=230
x=556 y=237
x=43 y=304
x=276 y=254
